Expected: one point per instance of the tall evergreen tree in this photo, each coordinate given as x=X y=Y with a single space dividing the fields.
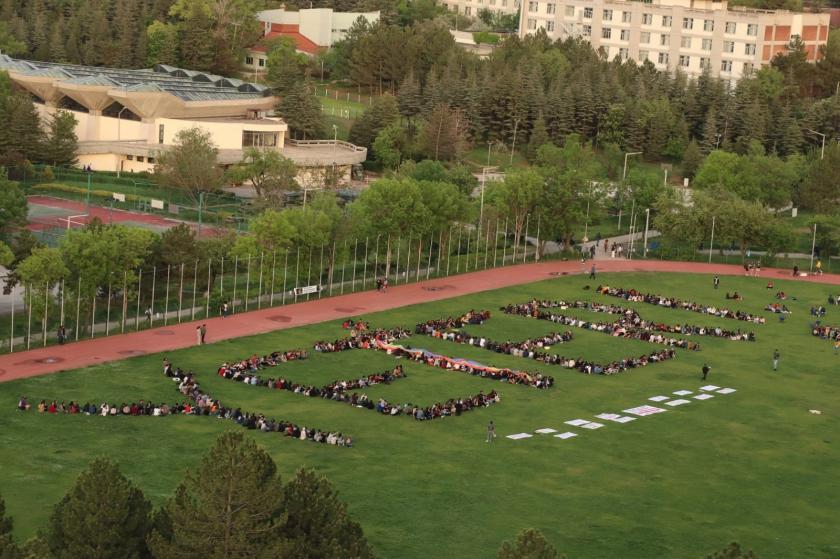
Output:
x=8 y=549
x=231 y=506
x=301 y=110
x=529 y=544
x=410 y=97
x=692 y=158
x=61 y=141
x=382 y=114
x=539 y=137
x=711 y=136
x=103 y=516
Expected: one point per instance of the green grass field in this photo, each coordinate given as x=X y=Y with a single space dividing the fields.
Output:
x=754 y=466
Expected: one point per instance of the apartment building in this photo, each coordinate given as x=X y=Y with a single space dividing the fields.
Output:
x=471 y=8
x=690 y=35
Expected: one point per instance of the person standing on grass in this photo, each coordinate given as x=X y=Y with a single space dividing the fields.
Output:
x=203 y=331
x=716 y=282
x=198 y=335
x=706 y=370
x=776 y=356
x=491 y=432
x=592 y=272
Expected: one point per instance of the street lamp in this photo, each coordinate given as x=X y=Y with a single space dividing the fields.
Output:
x=822 y=151
x=647 y=224
x=717 y=140
x=623 y=178
x=489 y=145
x=119 y=137
x=335 y=136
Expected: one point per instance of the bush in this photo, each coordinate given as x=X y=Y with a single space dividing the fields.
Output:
x=81 y=191
x=486 y=37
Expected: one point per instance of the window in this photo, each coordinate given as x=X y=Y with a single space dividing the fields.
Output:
x=140 y=159
x=731 y=26
x=261 y=62
x=663 y=58
x=549 y=26
x=626 y=17
x=685 y=42
x=623 y=53
x=625 y=34
x=728 y=46
x=644 y=37
x=708 y=25
x=749 y=49
x=252 y=139
x=748 y=67
x=707 y=44
x=705 y=63
x=249 y=60
x=643 y=55
x=467 y=10
x=664 y=40
x=532 y=24
x=150 y=160
x=129 y=157
x=587 y=13
x=533 y=6
x=667 y=20
x=587 y=30
x=606 y=33
x=752 y=29
x=570 y=11
x=647 y=19
x=688 y=23
x=684 y=60
x=726 y=66
x=160 y=133
x=607 y=15
x=550 y=8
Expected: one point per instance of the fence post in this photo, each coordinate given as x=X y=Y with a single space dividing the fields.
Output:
x=108 y=311
x=355 y=261
x=195 y=288
x=247 y=281
x=504 y=244
x=331 y=275
x=181 y=294
x=166 y=301
x=309 y=271
x=537 y=251
x=440 y=252
x=12 y=330
x=525 y=239
x=285 y=273
x=259 y=290
x=429 y=263
x=467 y=263
x=297 y=269
x=207 y=296
x=273 y=274
x=139 y=286
x=61 y=317
x=125 y=300
x=78 y=307
x=458 y=261
x=408 y=259
x=344 y=268
x=376 y=257
x=397 y=265
x=235 y=271
x=46 y=307
x=449 y=250
x=364 y=272
x=320 y=271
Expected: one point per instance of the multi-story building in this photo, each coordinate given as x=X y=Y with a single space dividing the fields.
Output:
x=690 y=35
x=311 y=30
x=125 y=118
x=471 y=8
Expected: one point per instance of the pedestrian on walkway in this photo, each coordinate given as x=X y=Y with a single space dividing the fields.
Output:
x=819 y=267
x=61 y=334
x=148 y=314
x=225 y=310
x=491 y=432
x=592 y=251
x=706 y=370
x=592 y=272
x=716 y=282
x=606 y=245
x=198 y=335
x=795 y=271
x=203 y=331
x=776 y=356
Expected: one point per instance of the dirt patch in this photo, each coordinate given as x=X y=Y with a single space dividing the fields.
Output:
x=438 y=287
x=350 y=310
x=133 y=352
x=2 y=372
x=280 y=318
x=45 y=360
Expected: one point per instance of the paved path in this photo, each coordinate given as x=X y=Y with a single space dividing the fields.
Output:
x=102 y=350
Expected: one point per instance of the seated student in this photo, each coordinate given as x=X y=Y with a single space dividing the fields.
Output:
x=769 y=285
x=23 y=404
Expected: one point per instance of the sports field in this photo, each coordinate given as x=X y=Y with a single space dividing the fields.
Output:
x=753 y=466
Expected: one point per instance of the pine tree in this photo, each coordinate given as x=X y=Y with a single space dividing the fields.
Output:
x=317 y=523
x=8 y=549
x=56 y=43
x=61 y=142
x=21 y=135
x=382 y=114
x=530 y=544
x=231 y=506
x=103 y=515
x=711 y=136
x=539 y=137
x=301 y=110
x=410 y=97
x=444 y=134
x=692 y=159
x=788 y=134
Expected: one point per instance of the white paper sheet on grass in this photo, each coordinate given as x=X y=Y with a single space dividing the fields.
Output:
x=609 y=416
x=709 y=387
x=677 y=402
x=703 y=397
x=659 y=398
x=726 y=391
x=577 y=422
x=644 y=410
x=520 y=436
x=592 y=425
x=683 y=392
x=546 y=430
x=624 y=419
x=566 y=435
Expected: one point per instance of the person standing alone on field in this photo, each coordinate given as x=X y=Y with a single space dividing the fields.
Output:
x=491 y=432
x=776 y=356
x=706 y=370
x=203 y=331
x=198 y=335
x=592 y=272
x=716 y=282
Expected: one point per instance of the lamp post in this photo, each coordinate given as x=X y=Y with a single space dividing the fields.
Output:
x=335 y=136
x=822 y=150
x=813 y=248
x=513 y=145
x=489 y=145
x=647 y=224
x=717 y=140
x=623 y=178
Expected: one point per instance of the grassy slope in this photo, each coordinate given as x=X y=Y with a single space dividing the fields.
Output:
x=754 y=466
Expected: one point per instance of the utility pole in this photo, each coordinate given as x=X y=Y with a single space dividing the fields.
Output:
x=200 y=207
x=712 y=240
x=647 y=224
x=813 y=247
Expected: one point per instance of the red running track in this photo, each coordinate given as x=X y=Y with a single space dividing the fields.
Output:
x=166 y=338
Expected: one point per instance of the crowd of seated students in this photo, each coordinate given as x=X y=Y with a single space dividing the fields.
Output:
x=818 y=310
x=734 y=296
x=777 y=308
x=246 y=367
x=451 y=407
x=674 y=303
x=362 y=340
x=825 y=332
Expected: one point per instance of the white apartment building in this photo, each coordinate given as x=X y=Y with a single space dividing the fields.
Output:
x=472 y=7
x=689 y=35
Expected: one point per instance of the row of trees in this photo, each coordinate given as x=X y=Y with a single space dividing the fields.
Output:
x=233 y=504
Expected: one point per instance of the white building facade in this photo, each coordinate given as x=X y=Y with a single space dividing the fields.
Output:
x=471 y=8
x=679 y=34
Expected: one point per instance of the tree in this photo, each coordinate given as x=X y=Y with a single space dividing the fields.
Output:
x=39 y=273
x=317 y=523
x=530 y=544
x=517 y=197
x=409 y=97
x=61 y=141
x=102 y=516
x=381 y=115
x=733 y=551
x=191 y=165
x=692 y=159
x=8 y=548
x=539 y=137
x=821 y=187
x=6 y=255
x=301 y=110
x=444 y=134
x=21 y=135
x=178 y=245
x=391 y=145
x=284 y=65
x=230 y=506
x=271 y=174
x=273 y=230
x=14 y=210
x=9 y=44
x=162 y=43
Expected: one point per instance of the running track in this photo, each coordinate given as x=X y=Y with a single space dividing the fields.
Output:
x=102 y=350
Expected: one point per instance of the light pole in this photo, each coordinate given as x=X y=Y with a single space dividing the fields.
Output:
x=813 y=247
x=489 y=145
x=822 y=150
x=335 y=136
x=623 y=178
x=717 y=140
x=586 y=223
x=647 y=224
x=513 y=145
x=712 y=240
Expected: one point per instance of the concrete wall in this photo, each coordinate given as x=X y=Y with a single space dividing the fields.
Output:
x=100 y=128
x=226 y=135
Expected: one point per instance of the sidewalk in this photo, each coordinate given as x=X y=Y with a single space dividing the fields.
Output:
x=102 y=350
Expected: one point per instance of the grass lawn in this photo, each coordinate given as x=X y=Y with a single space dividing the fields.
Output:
x=754 y=466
